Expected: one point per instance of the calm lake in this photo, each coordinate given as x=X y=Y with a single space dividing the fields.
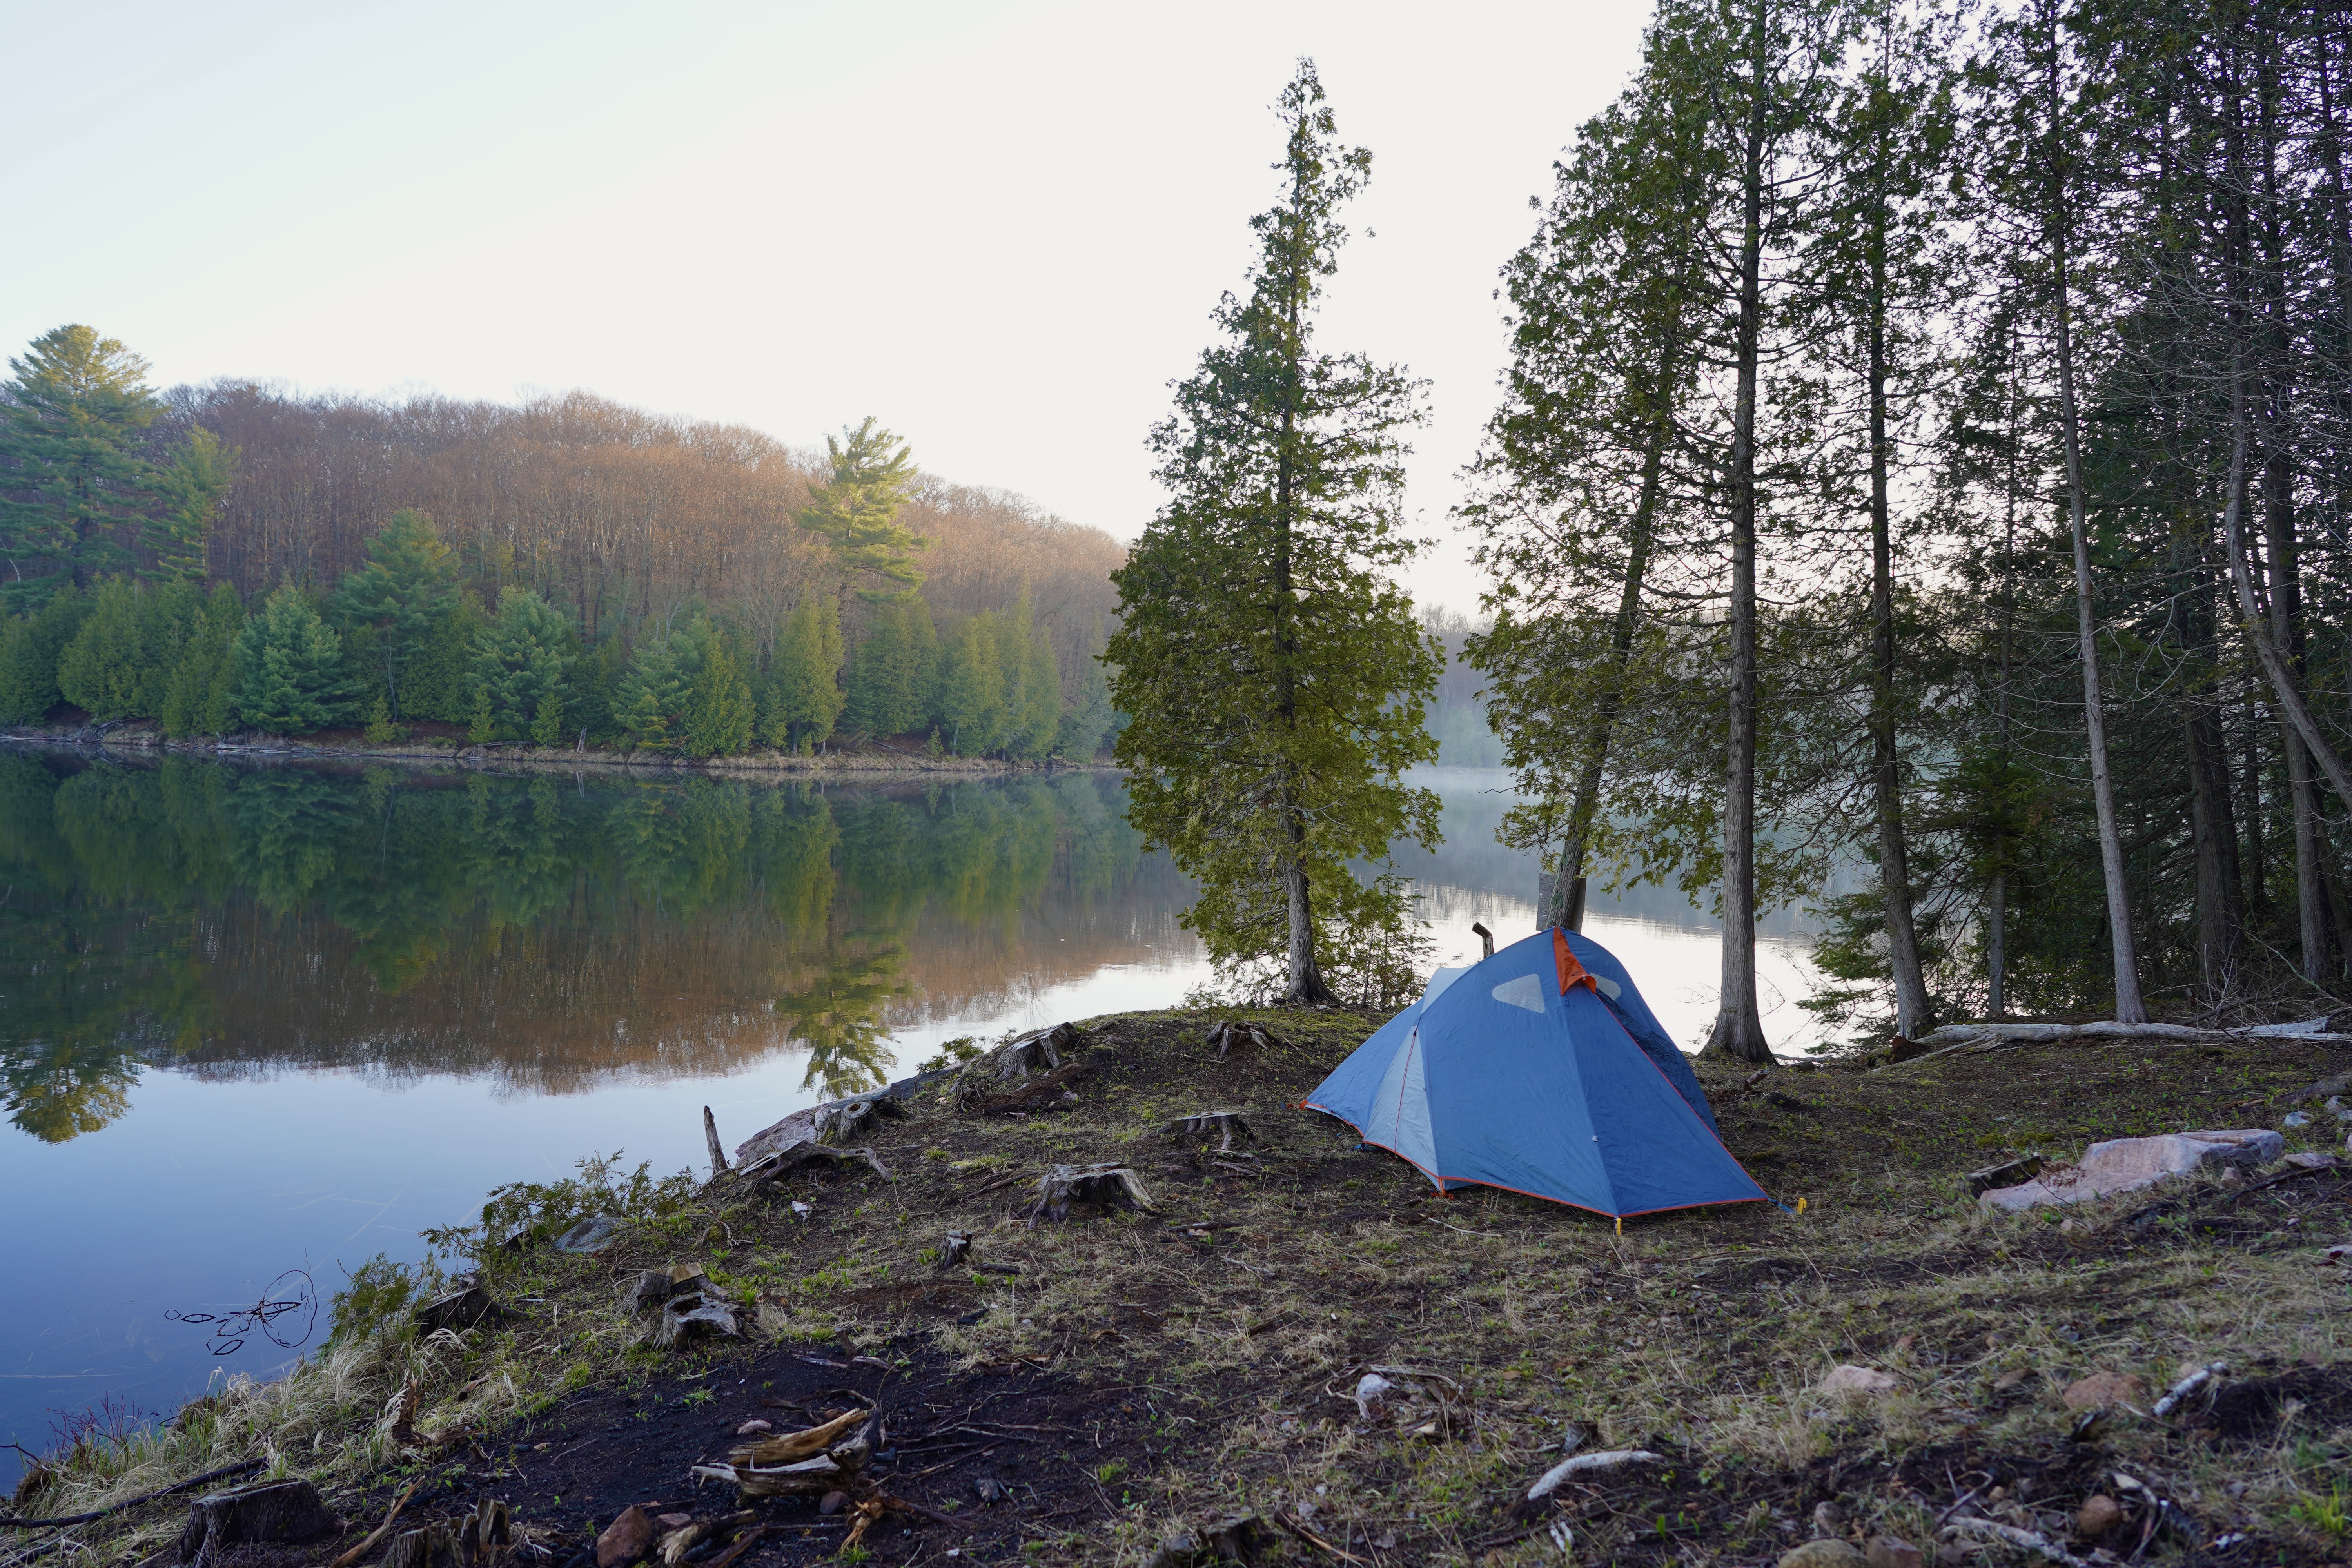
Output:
x=255 y=1019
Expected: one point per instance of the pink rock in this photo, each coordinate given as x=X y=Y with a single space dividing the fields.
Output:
x=2126 y=1164
x=1852 y=1379
x=625 y=1540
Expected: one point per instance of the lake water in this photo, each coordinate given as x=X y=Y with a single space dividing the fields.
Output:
x=255 y=1019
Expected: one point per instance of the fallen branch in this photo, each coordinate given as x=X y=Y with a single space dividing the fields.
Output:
x=1953 y=1039
x=770 y=1168
x=1020 y=1098
x=243 y=1467
x=1307 y=1535
x=2023 y=1540
x=378 y=1534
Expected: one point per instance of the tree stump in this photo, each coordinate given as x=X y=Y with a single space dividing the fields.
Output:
x=432 y=1547
x=1232 y=1032
x=1226 y=1125
x=1111 y=1187
x=1009 y=1067
x=274 y=1511
x=459 y=1310
x=485 y=1534
x=957 y=1254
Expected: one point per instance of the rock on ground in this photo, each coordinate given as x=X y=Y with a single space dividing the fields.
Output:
x=1823 y=1554
x=1851 y=1379
x=2125 y=1164
x=2105 y=1391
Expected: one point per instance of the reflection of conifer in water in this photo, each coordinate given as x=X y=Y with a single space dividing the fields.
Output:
x=838 y=1016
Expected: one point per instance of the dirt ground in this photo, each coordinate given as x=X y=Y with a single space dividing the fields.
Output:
x=1148 y=1371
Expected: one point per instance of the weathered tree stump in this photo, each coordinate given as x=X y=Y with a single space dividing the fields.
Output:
x=1230 y=1032
x=718 y=1149
x=1224 y=1125
x=274 y=1511
x=957 y=1254
x=459 y=1310
x=683 y=1305
x=433 y=1546
x=484 y=1535
x=1111 y=1187
x=831 y=1123
x=1009 y=1067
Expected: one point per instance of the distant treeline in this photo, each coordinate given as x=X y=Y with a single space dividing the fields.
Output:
x=237 y=557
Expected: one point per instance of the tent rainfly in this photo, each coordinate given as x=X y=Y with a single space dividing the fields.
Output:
x=1539 y=1070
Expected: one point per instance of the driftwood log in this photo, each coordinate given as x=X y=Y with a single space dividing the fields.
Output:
x=1230 y=1032
x=824 y=1458
x=773 y=1167
x=1223 y=1125
x=1111 y=1187
x=833 y=1122
x=276 y=1510
x=1956 y=1039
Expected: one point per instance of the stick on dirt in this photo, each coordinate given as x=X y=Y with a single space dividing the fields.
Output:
x=356 y=1552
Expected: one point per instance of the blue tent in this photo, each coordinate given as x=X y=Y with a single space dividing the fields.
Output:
x=1540 y=1070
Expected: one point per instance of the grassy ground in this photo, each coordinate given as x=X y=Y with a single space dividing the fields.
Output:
x=1145 y=1371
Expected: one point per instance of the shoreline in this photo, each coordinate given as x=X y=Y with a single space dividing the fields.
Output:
x=868 y=760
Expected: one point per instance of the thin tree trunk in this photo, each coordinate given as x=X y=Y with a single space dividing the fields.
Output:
x=1913 y=1015
x=1565 y=908
x=1305 y=984
x=1738 y=1030
x=2129 y=1009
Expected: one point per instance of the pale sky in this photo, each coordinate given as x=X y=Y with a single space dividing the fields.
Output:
x=999 y=226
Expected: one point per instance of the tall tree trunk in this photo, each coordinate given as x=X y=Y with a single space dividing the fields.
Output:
x=1566 y=906
x=1913 y=1015
x=2129 y=1008
x=1738 y=1030
x=1306 y=984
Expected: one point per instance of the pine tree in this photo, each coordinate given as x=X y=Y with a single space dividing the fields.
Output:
x=290 y=676
x=189 y=491
x=649 y=701
x=1275 y=675
x=71 y=480
x=522 y=661
x=855 y=513
x=872 y=691
x=1032 y=683
x=405 y=595
x=721 y=710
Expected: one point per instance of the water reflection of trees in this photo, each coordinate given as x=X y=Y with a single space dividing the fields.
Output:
x=551 y=931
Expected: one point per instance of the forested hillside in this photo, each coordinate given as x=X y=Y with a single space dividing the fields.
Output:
x=562 y=570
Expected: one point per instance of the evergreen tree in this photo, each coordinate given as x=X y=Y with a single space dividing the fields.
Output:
x=805 y=696
x=649 y=702
x=71 y=479
x=1032 y=683
x=972 y=688
x=29 y=651
x=721 y=710
x=521 y=663
x=1086 y=719
x=189 y=490
x=870 y=694
x=405 y=595
x=1275 y=673
x=855 y=513
x=439 y=681
x=199 y=697
x=98 y=672
x=289 y=666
